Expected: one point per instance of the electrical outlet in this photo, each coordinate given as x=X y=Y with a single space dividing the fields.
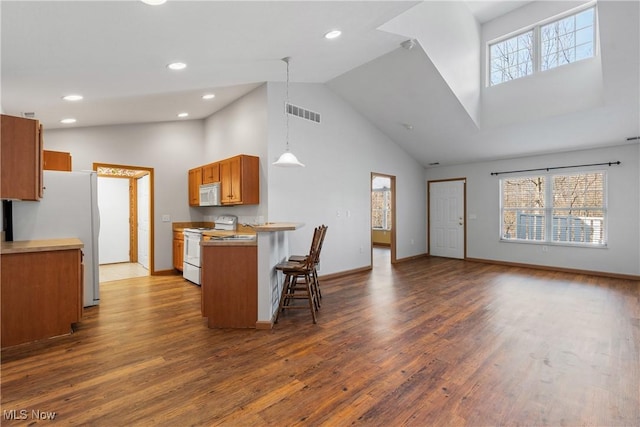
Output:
x=166 y=218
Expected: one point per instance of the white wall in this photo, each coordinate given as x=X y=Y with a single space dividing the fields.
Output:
x=622 y=254
x=457 y=60
x=170 y=148
x=240 y=128
x=334 y=188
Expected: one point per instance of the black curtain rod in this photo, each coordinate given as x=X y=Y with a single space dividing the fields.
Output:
x=559 y=167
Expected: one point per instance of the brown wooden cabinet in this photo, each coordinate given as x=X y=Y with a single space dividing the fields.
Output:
x=178 y=250
x=240 y=180
x=56 y=161
x=230 y=286
x=195 y=180
x=21 y=158
x=211 y=173
x=41 y=294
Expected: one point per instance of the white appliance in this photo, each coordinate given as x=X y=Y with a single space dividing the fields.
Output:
x=68 y=208
x=226 y=222
x=192 y=260
x=210 y=194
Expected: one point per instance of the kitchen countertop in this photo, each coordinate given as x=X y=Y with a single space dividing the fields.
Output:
x=180 y=226
x=210 y=240
x=278 y=226
x=41 y=245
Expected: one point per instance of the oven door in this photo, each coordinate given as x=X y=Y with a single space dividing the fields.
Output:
x=192 y=248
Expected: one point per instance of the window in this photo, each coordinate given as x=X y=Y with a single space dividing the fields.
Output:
x=381 y=208
x=545 y=46
x=512 y=58
x=567 y=209
x=567 y=40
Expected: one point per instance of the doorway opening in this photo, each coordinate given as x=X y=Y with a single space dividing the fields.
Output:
x=446 y=219
x=125 y=199
x=383 y=219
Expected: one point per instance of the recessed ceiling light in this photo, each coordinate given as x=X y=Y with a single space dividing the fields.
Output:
x=332 y=34
x=208 y=96
x=68 y=121
x=177 y=66
x=183 y=115
x=72 y=97
x=154 y=2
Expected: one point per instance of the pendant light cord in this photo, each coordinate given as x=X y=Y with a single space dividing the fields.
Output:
x=286 y=102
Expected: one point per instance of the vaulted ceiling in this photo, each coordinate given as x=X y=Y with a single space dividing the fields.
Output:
x=115 y=54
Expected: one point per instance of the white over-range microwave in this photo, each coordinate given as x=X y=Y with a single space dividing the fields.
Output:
x=210 y=194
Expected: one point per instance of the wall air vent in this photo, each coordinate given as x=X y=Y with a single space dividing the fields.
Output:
x=29 y=115
x=302 y=113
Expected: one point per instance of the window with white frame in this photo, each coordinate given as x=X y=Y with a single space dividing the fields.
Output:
x=381 y=208
x=562 y=208
x=543 y=47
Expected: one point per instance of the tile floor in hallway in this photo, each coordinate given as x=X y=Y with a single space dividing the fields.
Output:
x=123 y=270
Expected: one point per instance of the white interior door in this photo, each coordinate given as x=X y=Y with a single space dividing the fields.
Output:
x=143 y=220
x=113 y=203
x=446 y=219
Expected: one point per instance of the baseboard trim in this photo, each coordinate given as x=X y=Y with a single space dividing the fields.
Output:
x=560 y=269
x=264 y=324
x=343 y=273
x=171 y=272
x=412 y=258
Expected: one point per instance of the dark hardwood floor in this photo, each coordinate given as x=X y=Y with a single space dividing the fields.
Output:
x=430 y=342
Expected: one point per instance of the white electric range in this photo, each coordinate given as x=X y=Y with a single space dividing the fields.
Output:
x=192 y=264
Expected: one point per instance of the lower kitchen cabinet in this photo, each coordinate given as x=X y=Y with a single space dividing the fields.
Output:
x=41 y=292
x=230 y=285
x=178 y=250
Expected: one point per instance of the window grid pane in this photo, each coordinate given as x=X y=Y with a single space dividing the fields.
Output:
x=574 y=214
x=511 y=58
x=561 y=39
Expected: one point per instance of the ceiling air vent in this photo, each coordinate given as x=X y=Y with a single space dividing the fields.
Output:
x=303 y=113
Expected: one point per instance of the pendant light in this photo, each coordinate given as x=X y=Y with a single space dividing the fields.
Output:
x=287 y=159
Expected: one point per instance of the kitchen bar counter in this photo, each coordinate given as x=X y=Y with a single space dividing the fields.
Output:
x=240 y=285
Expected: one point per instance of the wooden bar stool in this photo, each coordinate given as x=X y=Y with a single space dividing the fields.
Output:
x=303 y=258
x=298 y=283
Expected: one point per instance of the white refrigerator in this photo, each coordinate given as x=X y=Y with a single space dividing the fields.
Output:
x=68 y=208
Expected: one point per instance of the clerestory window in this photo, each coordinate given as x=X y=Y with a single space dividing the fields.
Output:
x=546 y=46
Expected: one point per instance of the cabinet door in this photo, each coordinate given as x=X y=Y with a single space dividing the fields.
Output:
x=56 y=161
x=211 y=173
x=230 y=178
x=21 y=157
x=195 y=180
x=178 y=254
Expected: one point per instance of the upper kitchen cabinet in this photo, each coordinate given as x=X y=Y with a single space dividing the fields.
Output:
x=240 y=180
x=195 y=180
x=57 y=161
x=21 y=158
x=211 y=173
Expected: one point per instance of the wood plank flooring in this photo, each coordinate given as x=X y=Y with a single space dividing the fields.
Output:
x=430 y=342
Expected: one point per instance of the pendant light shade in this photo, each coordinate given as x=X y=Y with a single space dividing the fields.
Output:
x=287 y=159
